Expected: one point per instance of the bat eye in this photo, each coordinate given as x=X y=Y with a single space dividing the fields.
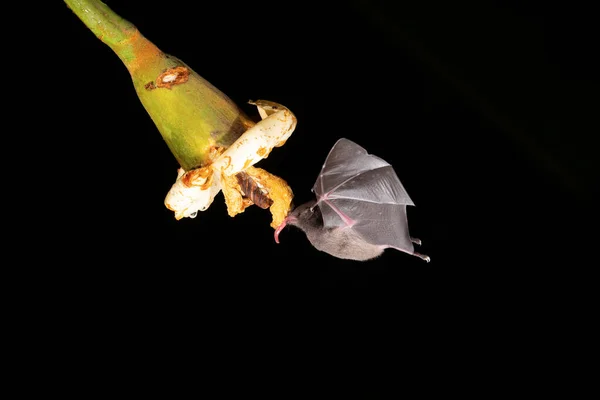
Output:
x=194 y=214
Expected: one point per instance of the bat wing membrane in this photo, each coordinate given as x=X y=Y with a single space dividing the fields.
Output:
x=359 y=190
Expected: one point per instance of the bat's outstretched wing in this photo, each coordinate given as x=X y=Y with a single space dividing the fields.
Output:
x=359 y=190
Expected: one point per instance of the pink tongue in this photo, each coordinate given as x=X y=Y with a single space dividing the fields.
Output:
x=279 y=229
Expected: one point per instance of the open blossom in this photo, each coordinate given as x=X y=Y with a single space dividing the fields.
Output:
x=195 y=190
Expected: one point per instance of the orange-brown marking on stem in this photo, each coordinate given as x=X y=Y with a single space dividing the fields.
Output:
x=172 y=76
x=144 y=52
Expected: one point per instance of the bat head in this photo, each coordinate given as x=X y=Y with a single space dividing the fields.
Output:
x=305 y=216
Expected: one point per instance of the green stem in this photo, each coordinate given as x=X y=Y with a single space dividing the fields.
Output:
x=193 y=116
x=116 y=32
x=104 y=22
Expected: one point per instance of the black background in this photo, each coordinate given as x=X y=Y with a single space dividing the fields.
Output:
x=485 y=109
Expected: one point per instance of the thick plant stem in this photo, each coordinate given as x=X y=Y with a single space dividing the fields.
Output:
x=119 y=34
x=106 y=25
x=191 y=114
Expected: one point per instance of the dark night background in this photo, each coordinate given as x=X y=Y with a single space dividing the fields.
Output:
x=486 y=109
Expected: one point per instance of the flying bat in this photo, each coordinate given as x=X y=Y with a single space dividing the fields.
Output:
x=360 y=207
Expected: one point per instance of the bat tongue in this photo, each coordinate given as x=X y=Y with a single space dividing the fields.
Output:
x=279 y=229
x=290 y=219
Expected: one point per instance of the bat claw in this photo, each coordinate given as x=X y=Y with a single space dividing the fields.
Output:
x=416 y=241
x=422 y=257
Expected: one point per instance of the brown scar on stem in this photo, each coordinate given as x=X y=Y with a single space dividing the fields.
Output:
x=150 y=86
x=173 y=76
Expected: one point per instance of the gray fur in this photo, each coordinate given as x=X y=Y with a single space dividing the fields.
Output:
x=339 y=242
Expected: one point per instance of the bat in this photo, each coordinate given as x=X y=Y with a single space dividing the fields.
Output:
x=360 y=207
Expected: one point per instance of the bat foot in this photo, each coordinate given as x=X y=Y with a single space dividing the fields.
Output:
x=422 y=257
x=416 y=241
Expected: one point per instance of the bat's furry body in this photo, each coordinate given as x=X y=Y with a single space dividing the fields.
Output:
x=339 y=242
